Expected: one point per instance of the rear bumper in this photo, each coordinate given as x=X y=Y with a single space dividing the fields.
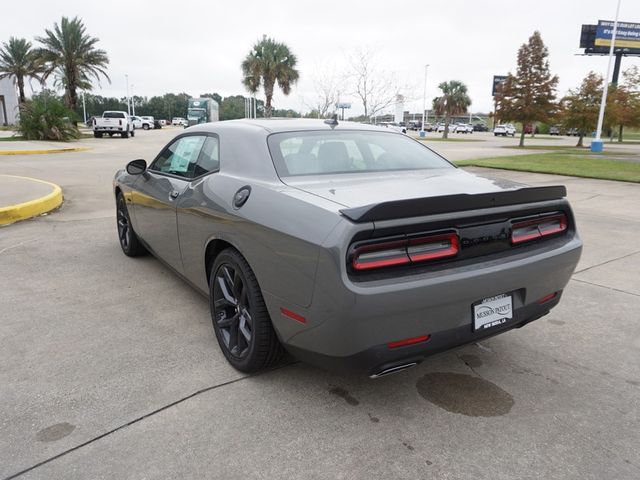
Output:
x=380 y=358
x=348 y=325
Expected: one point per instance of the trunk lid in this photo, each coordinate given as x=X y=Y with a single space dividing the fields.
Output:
x=357 y=190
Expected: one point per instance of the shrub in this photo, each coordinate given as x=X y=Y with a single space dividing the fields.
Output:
x=46 y=118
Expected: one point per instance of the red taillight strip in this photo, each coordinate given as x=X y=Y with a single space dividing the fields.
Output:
x=562 y=226
x=408 y=341
x=293 y=315
x=451 y=251
x=403 y=255
x=401 y=259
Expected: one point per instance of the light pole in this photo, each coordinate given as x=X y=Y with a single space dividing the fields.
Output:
x=84 y=108
x=126 y=76
x=133 y=101
x=424 y=102
x=596 y=145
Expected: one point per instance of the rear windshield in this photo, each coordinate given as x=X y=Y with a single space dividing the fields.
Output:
x=113 y=115
x=331 y=152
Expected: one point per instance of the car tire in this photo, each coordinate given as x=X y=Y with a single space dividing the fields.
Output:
x=129 y=241
x=145 y=127
x=133 y=132
x=97 y=135
x=240 y=318
x=124 y=134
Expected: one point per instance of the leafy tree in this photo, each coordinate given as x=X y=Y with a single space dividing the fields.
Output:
x=581 y=107
x=46 y=118
x=269 y=62
x=215 y=96
x=286 y=113
x=232 y=107
x=17 y=60
x=529 y=95
x=71 y=54
x=453 y=101
x=623 y=102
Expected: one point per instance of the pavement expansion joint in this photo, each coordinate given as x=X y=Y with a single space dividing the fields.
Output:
x=604 y=286
x=147 y=415
x=608 y=261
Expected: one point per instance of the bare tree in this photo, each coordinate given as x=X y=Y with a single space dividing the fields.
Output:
x=376 y=88
x=325 y=85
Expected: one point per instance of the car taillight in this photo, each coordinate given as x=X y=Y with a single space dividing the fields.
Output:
x=537 y=228
x=381 y=255
x=405 y=251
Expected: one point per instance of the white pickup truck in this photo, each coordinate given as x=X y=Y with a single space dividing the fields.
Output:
x=113 y=122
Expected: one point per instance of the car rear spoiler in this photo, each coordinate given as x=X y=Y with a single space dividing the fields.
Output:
x=415 y=207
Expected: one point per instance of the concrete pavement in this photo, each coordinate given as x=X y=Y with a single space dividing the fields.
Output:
x=109 y=366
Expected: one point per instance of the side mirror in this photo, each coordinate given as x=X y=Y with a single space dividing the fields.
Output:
x=136 y=167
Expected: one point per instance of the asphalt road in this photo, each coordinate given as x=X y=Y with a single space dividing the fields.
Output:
x=109 y=366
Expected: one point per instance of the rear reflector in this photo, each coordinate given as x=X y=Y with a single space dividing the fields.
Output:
x=537 y=228
x=546 y=298
x=293 y=315
x=405 y=251
x=408 y=341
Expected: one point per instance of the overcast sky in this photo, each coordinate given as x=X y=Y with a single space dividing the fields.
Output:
x=197 y=46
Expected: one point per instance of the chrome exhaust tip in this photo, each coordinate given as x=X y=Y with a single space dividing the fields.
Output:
x=392 y=370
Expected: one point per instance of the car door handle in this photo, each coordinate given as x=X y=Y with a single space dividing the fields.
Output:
x=174 y=194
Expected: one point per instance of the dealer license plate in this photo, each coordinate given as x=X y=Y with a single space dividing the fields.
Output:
x=492 y=312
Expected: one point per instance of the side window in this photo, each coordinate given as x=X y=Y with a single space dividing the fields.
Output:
x=209 y=160
x=180 y=157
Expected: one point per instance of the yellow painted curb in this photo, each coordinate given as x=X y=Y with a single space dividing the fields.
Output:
x=49 y=150
x=32 y=208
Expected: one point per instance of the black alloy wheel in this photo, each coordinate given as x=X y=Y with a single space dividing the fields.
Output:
x=240 y=318
x=233 y=314
x=129 y=241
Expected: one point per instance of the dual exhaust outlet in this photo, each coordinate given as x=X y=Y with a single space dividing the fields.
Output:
x=391 y=370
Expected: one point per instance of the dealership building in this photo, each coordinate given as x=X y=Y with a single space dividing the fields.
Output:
x=8 y=101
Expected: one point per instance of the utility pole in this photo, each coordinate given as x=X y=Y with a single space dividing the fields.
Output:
x=133 y=101
x=84 y=108
x=126 y=76
x=596 y=145
x=424 y=102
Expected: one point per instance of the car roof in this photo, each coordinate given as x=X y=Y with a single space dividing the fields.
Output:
x=277 y=125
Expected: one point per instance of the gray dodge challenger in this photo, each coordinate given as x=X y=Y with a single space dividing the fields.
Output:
x=347 y=245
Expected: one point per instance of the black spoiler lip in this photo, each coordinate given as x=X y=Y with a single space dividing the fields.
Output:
x=415 y=207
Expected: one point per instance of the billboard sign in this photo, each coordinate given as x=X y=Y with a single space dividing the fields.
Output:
x=497 y=80
x=627 y=35
x=343 y=105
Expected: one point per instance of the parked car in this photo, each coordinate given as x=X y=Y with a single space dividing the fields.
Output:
x=504 y=130
x=148 y=122
x=157 y=124
x=113 y=122
x=163 y=122
x=529 y=129
x=179 y=121
x=480 y=127
x=137 y=121
x=393 y=126
x=573 y=132
x=455 y=257
x=554 y=130
x=462 y=128
x=440 y=127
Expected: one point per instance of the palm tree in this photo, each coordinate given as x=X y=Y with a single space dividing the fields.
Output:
x=267 y=63
x=70 y=53
x=17 y=59
x=454 y=101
